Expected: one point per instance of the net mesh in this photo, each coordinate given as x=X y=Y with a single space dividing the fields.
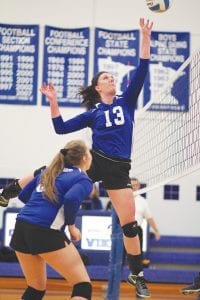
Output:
x=167 y=144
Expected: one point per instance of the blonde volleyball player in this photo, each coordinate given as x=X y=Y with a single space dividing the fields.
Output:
x=51 y=202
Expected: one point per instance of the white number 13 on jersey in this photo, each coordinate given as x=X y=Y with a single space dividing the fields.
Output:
x=119 y=120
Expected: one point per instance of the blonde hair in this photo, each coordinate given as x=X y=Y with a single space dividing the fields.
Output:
x=71 y=154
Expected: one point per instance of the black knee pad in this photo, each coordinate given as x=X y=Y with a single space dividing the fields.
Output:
x=82 y=289
x=130 y=229
x=11 y=190
x=33 y=294
x=38 y=171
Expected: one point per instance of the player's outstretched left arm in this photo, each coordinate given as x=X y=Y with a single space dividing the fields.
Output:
x=145 y=29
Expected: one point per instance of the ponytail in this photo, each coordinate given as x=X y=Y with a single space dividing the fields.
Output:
x=72 y=155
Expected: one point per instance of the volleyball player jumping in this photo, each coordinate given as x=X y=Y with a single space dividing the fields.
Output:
x=110 y=118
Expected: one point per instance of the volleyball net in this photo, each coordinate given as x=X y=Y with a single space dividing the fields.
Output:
x=167 y=143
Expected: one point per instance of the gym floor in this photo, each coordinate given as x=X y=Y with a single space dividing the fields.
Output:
x=58 y=289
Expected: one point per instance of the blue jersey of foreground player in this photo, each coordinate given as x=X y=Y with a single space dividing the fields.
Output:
x=111 y=124
x=72 y=185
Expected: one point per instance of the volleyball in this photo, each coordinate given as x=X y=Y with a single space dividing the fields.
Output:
x=158 y=5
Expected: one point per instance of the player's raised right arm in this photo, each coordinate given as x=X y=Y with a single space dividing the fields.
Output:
x=50 y=93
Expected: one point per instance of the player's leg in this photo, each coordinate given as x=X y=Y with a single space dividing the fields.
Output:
x=13 y=189
x=68 y=263
x=115 y=177
x=124 y=205
x=145 y=261
x=34 y=270
x=194 y=287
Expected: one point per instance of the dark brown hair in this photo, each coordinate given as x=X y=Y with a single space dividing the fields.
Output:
x=89 y=94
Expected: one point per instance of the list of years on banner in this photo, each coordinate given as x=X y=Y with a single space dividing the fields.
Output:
x=75 y=76
x=74 y=79
x=18 y=50
x=66 y=61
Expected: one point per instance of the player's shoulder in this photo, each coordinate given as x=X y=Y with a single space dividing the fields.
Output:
x=120 y=99
x=94 y=108
x=74 y=175
x=85 y=181
x=85 y=177
x=80 y=174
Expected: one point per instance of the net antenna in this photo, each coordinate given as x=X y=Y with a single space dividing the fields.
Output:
x=167 y=143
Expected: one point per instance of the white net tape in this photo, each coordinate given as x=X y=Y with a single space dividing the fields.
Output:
x=167 y=144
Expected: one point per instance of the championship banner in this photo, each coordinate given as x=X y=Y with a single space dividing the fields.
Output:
x=116 y=52
x=18 y=63
x=66 y=56
x=169 y=50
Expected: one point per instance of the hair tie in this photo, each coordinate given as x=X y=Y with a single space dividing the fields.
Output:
x=63 y=151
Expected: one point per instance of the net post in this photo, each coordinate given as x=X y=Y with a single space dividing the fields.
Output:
x=115 y=260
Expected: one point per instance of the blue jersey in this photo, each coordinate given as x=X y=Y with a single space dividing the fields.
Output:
x=72 y=185
x=111 y=124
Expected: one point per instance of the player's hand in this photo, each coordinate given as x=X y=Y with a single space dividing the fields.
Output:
x=157 y=235
x=49 y=91
x=146 y=27
x=75 y=233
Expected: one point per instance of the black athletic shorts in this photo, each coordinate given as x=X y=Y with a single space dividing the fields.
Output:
x=113 y=172
x=34 y=239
